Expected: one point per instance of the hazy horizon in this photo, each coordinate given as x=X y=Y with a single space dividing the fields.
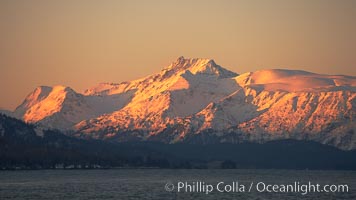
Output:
x=82 y=43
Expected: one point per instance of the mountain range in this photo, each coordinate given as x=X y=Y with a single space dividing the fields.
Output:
x=198 y=101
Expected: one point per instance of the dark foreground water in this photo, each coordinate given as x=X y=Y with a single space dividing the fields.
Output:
x=158 y=183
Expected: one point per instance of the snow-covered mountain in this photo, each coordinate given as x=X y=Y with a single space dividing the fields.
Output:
x=61 y=107
x=196 y=98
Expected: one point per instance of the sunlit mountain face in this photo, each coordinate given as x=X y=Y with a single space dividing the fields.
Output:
x=196 y=100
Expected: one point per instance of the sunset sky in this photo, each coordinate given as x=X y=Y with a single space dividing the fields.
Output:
x=81 y=43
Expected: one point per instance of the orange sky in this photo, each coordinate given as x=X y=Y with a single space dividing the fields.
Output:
x=81 y=43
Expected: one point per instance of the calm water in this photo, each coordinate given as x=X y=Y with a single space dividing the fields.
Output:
x=150 y=184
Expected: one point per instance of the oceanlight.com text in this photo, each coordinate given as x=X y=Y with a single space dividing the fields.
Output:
x=302 y=188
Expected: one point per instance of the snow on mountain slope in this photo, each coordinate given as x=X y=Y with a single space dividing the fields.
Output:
x=327 y=117
x=108 y=89
x=33 y=98
x=61 y=107
x=304 y=113
x=294 y=81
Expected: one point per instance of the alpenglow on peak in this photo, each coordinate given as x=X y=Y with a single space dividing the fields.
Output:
x=199 y=66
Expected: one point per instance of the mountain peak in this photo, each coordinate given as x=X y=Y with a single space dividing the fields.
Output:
x=182 y=62
x=198 y=66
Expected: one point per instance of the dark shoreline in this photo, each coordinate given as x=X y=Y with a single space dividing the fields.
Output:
x=157 y=168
